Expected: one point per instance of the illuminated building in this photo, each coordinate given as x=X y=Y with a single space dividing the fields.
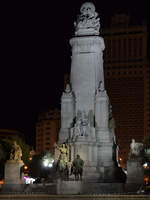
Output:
x=127 y=79
x=9 y=134
x=47 y=128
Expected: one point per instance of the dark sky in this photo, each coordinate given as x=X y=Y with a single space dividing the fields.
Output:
x=36 y=53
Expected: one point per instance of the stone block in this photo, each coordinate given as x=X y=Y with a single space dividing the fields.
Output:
x=135 y=172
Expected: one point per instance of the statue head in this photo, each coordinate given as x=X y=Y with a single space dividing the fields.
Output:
x=87 y=8
x=68 y=88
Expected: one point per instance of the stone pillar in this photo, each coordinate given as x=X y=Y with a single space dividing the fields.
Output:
x=105 y=141
x=67 y=116
x=135 y=176
x=102 y=116
x=86 y=70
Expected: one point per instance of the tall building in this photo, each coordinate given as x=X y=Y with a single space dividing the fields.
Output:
x=127 y=80
x=147 y=100
x=47 y=128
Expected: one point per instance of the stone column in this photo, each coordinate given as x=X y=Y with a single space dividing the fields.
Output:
x=102 y=116
x=86 y=70
x=67 y=116
x=135 y=176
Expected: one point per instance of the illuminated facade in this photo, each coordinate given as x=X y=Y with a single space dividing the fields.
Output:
x=127 y=80
x=47 y=129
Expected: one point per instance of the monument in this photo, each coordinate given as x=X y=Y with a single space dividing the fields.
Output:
x=135 y=178
x=87 y=125
x=13 y=177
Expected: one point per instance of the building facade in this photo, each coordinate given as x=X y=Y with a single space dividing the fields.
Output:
x=147 y=100
x=127 y=80
x=47 y=128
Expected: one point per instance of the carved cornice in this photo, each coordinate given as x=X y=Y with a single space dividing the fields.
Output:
x=91 y=44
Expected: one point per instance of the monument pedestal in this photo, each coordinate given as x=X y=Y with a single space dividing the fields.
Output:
x=13 y=178
x=135 y=177
x=88 y=187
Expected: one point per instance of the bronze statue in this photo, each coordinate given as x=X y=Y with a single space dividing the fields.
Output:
x=77 y=168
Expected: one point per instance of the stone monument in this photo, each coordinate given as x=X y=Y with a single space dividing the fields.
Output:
x=135 y=171
x=86 y=118
x=13 y=177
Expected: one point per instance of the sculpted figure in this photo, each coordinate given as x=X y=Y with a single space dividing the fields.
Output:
x=81 y=125
x=63 y=153
x=135 y=147
x=87 y=21
x=101 y=86
x=78 y=124
x=77 y=167
x=16 y=152
x=62 y=163
x=68 y=88
x=67 y=92
x=111 y=119
x=85 y=123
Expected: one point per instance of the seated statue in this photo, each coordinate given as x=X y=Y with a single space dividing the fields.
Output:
x=16 y=152
x=81 y=127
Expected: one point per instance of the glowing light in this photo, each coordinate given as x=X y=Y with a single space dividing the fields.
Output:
x=145 y=165
x=25 y=167
x=146 y=179
x=45 y=163
x=1 y=182
x=29 y=180
x=48 y=163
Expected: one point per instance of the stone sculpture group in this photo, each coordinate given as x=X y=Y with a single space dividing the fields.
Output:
x=64 y=167
x=16 y=152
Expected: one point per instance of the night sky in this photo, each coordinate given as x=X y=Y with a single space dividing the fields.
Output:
x=36 y=54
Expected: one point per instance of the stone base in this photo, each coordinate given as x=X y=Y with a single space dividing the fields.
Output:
x=13 y=172
x=133 y=187
x=13 y=188
x=135 y=172
x=112 y=174
x=81 y=187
